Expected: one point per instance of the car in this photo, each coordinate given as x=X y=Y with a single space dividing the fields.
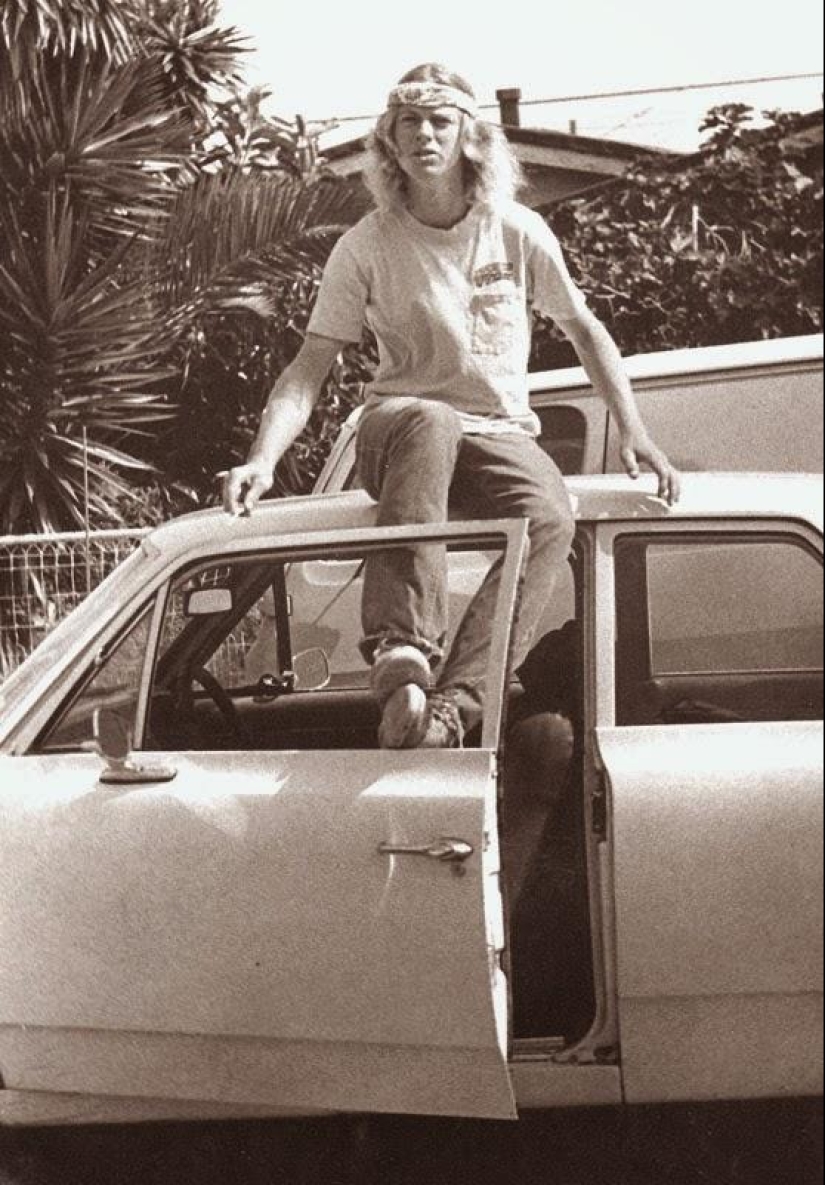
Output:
x=744 y=407
x=220 y=897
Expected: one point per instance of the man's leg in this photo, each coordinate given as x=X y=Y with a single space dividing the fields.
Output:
x=506 y=477
x=406 y=451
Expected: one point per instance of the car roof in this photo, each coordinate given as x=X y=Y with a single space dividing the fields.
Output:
x=612 y=496
x=703 y=495
x=698 y=360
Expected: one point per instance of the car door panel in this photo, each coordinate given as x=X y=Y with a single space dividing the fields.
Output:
x=281 y=1076
x=235 y=934
x=718 y=873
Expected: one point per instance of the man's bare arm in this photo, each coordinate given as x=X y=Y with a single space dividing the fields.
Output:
x=285 y=416
x=602 y=362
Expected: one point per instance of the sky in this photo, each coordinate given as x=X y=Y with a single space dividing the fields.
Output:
x=328 y=59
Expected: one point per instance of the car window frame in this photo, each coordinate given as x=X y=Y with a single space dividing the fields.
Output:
x=797 y=530
x=507 y=535
x=99 y=654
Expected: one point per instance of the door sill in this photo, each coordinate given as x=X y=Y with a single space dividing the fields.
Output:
x=528 y=1049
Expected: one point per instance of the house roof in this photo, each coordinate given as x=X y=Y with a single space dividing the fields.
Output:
x=556 y=164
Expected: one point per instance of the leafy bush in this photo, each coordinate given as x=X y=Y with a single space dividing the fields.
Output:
x=722 y=246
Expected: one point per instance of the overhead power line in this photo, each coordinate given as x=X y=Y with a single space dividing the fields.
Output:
x=649 y=90
x=664 y=90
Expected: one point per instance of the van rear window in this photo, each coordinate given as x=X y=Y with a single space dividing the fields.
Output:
x=562 y=436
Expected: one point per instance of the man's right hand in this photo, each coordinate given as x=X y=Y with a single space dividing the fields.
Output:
x=244 y=486
x=288 y=408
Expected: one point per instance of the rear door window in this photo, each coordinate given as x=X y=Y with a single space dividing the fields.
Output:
x=731 y=622
x=745 y=607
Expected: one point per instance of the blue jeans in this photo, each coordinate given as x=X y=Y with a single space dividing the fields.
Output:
x=416 y=461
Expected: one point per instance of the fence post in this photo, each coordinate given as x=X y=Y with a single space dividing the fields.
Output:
x=86 y=510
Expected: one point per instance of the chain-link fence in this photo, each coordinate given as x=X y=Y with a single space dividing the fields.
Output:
x=43 y=577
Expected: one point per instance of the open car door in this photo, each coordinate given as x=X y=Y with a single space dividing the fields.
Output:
x=281 y=928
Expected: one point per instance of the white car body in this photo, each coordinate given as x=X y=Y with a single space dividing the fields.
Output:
x=744 y=407
x=225 y=932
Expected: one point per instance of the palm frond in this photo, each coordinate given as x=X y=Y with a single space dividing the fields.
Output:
x=64 y=481
x=86 y=358
x=195 y=57
x=33 y=29
x=232 y=230
x=101 y=131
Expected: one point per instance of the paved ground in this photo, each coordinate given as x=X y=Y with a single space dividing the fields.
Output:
x=753 y=1144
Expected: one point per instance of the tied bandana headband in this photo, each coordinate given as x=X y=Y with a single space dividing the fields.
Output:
x=431 y=94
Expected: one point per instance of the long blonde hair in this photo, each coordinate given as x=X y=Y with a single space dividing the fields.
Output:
x=492 y=174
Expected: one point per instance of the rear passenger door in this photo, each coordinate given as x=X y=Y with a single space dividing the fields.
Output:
x=710 y=709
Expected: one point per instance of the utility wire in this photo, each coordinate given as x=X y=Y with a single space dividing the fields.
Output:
x=650 y=90
x=663 y=90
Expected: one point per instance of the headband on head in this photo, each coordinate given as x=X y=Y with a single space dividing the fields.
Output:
x=431 y=94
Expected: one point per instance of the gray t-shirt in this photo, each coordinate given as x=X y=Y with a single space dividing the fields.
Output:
x=450 y=309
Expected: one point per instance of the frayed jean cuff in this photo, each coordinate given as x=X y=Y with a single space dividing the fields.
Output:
x=432 y=651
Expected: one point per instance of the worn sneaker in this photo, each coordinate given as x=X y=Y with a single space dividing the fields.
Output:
x=404 y=718
x=444 y=728
x=398 y=666
x=414 y=720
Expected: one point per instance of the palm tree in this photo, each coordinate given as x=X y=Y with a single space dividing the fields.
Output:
x=29 y=28
x=121 y=252
x=88 y=145
x=149 y=215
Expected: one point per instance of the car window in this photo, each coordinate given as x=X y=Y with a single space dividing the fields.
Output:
x=563 y=436
x=263 y=652
x=113 y=682
x=226 y=662
x=740 y=608
x=729 y=627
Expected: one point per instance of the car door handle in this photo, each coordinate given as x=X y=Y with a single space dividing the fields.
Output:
x=445 y=849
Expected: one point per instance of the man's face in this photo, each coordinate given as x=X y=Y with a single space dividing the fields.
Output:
x=428 y=141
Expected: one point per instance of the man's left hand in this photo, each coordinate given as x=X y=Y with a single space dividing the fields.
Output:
x=639 y=450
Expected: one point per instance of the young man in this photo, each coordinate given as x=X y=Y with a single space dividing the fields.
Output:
x=446 y=272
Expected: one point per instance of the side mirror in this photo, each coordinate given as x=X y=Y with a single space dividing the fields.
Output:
x=311 y=669
x=202 y=602
x=113 y=736
x=113 y=741
x=310 y=672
